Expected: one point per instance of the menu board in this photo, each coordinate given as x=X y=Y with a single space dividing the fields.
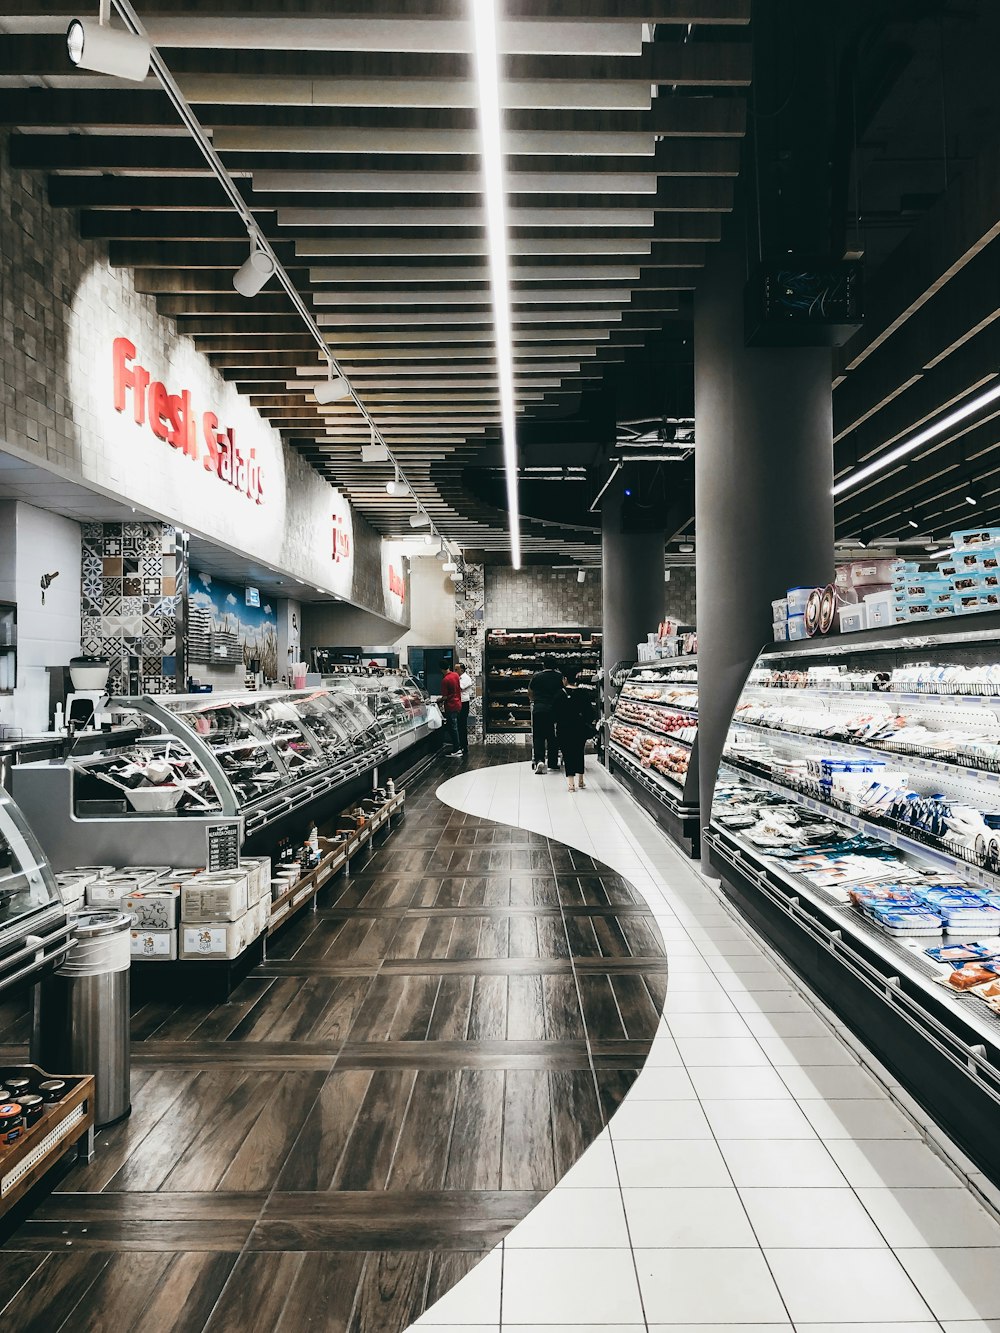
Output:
x=223 y=846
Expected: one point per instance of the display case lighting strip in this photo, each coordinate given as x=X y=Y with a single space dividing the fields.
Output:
x=195 y=128
x=484 y=24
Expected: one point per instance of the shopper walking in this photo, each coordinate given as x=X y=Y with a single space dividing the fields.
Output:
x=468 y=689
x=574 y=726
x=451 y=707
x=544 y=693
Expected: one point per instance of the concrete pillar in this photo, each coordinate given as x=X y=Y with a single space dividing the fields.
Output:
x=633 y=589
x=763 y=479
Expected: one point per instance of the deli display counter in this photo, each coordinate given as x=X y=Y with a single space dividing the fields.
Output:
x=205 y=760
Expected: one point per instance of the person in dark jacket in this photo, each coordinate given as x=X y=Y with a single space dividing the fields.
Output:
x=544 y=692
x=574 y=726
x=451 y=706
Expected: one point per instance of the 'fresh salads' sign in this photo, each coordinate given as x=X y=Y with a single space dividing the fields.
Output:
x=173 y=419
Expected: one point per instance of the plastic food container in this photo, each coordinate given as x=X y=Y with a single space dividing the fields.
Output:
x=865 y=572
x=852 y=618
x=967 y=537
x=797 y=627
x=880 y=609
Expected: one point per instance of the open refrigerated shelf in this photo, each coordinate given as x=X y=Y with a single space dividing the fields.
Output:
x=653 y=686
x=942 y=1042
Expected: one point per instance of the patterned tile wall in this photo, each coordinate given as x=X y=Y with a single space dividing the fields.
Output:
x=470 y=637
x=134 y=588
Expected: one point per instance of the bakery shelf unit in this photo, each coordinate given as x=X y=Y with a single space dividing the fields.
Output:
x=856 y=824
x=512 y=658
x=652 y=744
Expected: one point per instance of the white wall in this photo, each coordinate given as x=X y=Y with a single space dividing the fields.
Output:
x=432 y=606
x=47 y=634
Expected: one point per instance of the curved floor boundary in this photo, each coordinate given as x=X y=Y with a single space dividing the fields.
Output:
x=755 y=1162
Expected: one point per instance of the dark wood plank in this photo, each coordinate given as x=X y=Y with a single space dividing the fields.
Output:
x=255 y=1294
x=322 y=1294
x=186 y=1294
x=367 y=1158
x=324 y=1135
x=528 y=1162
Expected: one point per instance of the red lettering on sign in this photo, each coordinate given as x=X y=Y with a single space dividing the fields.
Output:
x=171 y=418
x=341 y=541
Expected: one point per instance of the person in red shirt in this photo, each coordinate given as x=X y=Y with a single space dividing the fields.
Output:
x=451 y=706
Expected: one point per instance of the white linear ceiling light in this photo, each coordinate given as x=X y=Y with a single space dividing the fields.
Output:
x=484 y=23
x=922 y=437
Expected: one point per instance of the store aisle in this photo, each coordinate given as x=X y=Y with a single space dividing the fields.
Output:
x=757 y=1177
x=407 y=1076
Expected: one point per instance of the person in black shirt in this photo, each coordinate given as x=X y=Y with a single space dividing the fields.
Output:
x=544 y=692
x=574 y=726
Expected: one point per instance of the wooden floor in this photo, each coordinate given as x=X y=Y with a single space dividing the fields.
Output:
x=410 y=1071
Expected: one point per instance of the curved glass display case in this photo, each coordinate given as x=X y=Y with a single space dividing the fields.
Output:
x=399 y=704
x=33 y=926
x=270 y=751
x=856 y=823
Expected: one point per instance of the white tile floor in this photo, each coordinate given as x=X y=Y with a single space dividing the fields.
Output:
x=757 y=1178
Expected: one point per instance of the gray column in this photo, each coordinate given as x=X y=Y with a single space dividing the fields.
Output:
x=633 y=594
x=763 y=503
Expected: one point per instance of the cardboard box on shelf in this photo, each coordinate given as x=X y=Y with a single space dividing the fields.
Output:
x=212 y=939
x=153 y=945
x=155 y=908
x=220 y=897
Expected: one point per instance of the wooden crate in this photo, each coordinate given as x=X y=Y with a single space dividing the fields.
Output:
x=63 y=1124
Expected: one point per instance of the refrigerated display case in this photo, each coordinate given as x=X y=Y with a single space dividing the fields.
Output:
x=34 y=931
x=652 y=744
x=856 y=823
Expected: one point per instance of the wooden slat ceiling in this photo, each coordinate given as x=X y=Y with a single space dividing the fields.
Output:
x=354 y=138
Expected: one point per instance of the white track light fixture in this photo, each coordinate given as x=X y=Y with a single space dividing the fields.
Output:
x=484 y=23
x=333 y=389
x=255 y=271
x=419 y=519
x=106 y=50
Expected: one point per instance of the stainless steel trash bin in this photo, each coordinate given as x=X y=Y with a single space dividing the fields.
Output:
x=81 y=1011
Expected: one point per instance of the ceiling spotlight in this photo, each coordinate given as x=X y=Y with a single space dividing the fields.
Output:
x=106 y=50
x=332 y=390
x=971 y=500
x=254 y=272
x=419 y=519
x=581 y=576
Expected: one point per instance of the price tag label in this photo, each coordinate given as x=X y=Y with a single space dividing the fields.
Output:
x=223 y=846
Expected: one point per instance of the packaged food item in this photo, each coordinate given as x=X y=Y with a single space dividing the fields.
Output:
x=970 y=975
